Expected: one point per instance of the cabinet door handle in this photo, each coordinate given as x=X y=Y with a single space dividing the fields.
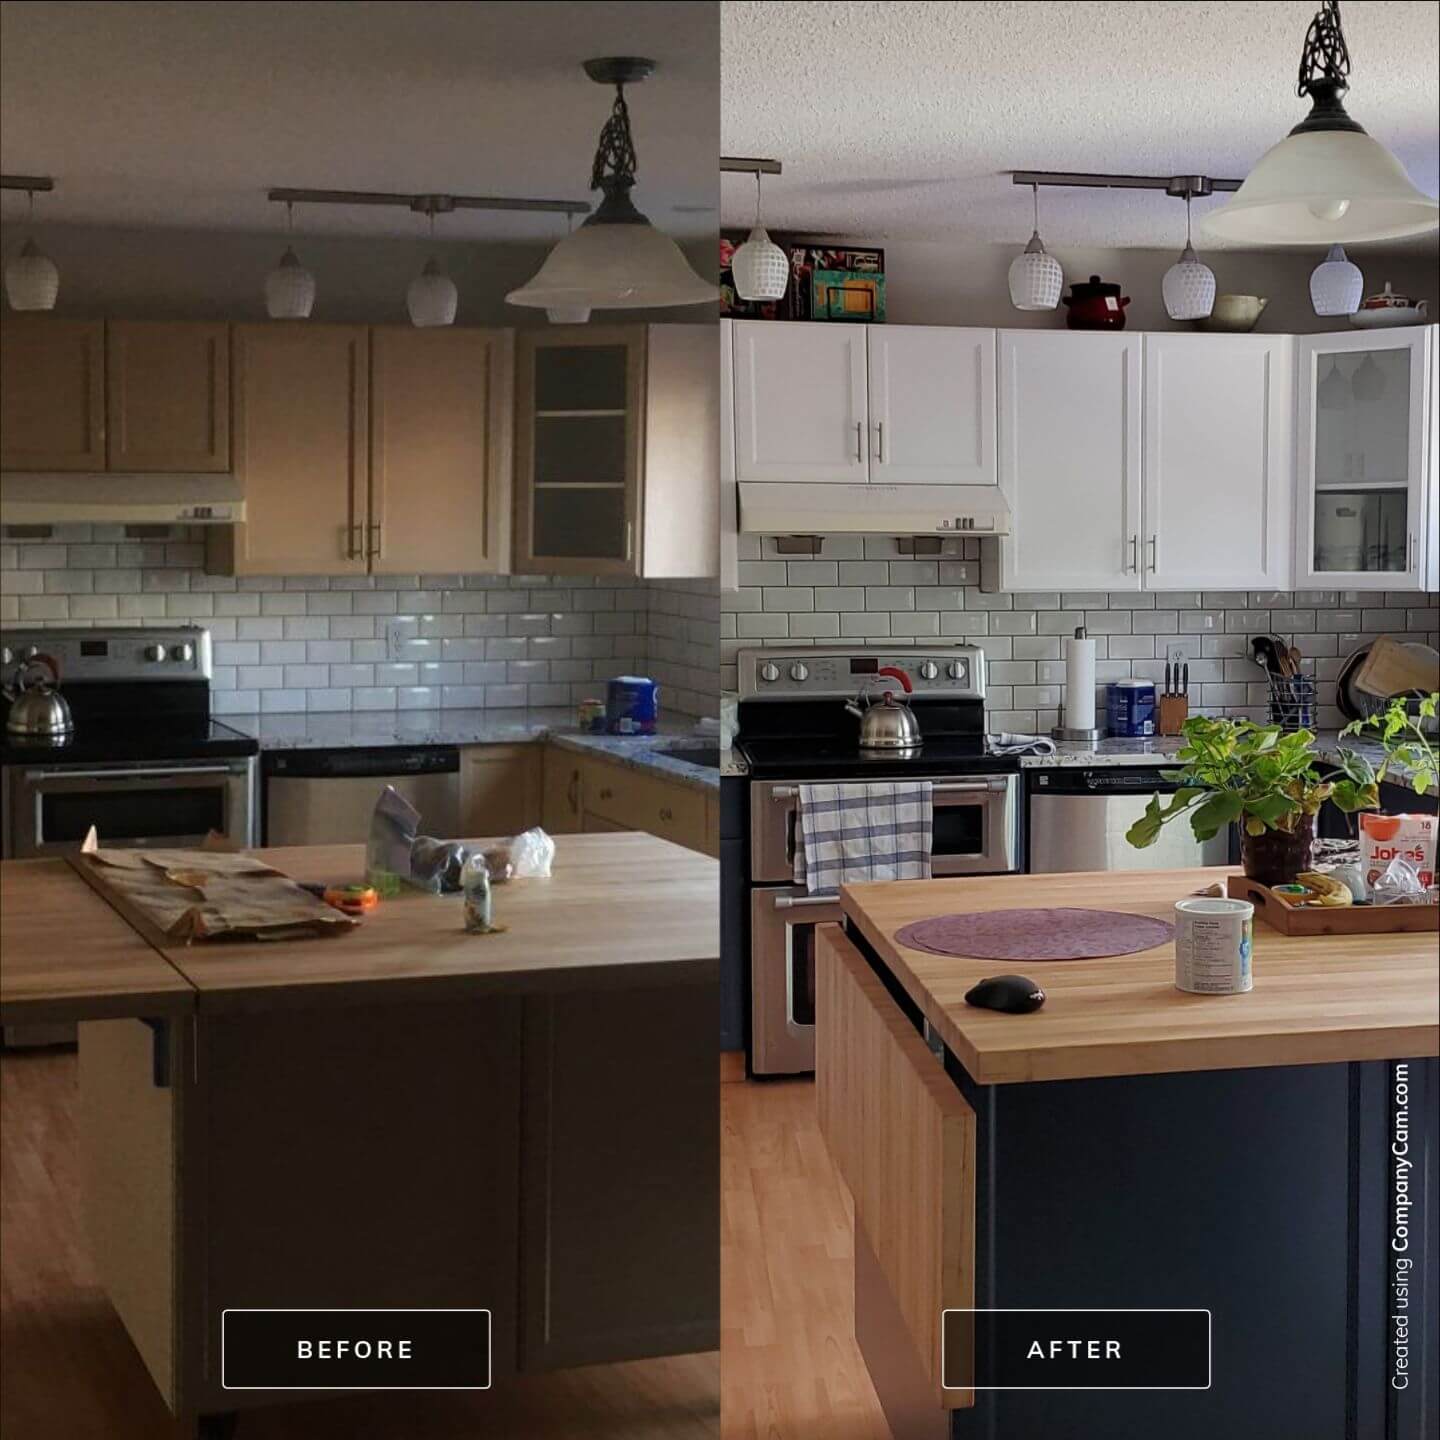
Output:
x=666 y=813
x=1154 y=552
x=1134 y=565
x=629 y=539
x=377 y=539
x=607 y=793
x=859 y=442
x=354 y=543
x=1412 y=550
x=880 y=441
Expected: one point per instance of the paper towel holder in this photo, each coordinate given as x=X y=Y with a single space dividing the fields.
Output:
x=1070 y=732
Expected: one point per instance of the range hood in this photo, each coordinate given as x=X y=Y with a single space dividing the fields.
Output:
x=35 y=498
x=802 y=508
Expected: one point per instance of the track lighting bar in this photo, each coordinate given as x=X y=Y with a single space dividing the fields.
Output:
x=744 y=166
x=33 y=183
x=1177 y=185
x=425 y=204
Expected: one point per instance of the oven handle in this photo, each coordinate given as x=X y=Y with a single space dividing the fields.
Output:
x=790 y=902
x=154 y=774
x=940 y=787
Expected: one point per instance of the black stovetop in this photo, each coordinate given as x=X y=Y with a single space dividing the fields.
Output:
x=130 y=739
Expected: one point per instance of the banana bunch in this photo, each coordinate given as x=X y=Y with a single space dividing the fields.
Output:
x=1324 y=889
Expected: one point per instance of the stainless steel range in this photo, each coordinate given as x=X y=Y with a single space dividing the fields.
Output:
x=795 y=728
x=145 y=763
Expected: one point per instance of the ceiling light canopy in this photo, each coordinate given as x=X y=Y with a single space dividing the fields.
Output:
x=32 y=281
x=1327 y=182
x=616 y=260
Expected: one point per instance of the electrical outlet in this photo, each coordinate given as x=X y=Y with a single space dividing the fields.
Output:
x=1175 y=655
x=397 y=631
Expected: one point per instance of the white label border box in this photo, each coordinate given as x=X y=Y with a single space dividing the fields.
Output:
x=361 y=1310
x=1085 y=1310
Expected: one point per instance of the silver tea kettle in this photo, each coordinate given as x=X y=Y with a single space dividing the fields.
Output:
x=885 y=724
x=38 y=711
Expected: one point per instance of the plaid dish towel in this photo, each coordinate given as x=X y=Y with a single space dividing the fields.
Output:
x=863 y=831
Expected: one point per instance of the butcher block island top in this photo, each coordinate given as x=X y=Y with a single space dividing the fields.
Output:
x=1316 y=999
x=623 y=909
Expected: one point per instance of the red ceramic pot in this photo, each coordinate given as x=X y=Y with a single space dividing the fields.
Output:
x=1095 y=305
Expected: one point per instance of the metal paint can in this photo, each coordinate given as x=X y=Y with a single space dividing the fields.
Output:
x=1214 y=940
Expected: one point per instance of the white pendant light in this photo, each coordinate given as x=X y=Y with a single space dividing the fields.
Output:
x=1334 y=392
x=1189 y=285
x=289 y=287
x=32 y=281
x=1336 y=284
x=431 y=297
x=1327 y=182
x=1036 y=278
x=759 y=267
x=616 y=260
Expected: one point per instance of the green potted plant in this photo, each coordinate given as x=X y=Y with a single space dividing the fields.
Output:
x=1262 y=778
x=1408 y=749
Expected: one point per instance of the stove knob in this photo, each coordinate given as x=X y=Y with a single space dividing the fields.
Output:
x=928 y=669
x=154 y=652
x=956 y=669
x=799 y=671
x=6 y=655
x=184 y=653
x=769 y=671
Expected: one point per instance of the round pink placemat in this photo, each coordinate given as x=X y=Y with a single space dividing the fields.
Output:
x=1059 y=933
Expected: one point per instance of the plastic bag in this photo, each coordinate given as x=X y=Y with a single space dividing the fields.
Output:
x=532 y=854
x=436 y=865
x=1398 y=884
x=387 y=848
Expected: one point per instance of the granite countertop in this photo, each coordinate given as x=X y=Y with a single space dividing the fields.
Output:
x=341 y=730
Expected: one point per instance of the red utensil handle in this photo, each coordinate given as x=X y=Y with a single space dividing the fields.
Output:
x=896 y=673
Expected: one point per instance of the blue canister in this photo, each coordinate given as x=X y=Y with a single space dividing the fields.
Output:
x=632 y=705
x=1130 y=708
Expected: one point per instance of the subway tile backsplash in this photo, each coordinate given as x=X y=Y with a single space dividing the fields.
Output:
x=862 y=590
x=407 y=642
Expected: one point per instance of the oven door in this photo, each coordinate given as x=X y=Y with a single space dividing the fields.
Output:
x=782 y=977
x=974 y=826
x=53 y=807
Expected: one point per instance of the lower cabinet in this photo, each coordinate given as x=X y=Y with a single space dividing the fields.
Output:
x=561 y=806
x=500 y=789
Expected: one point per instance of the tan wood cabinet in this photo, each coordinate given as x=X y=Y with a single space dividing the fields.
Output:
x=561 y=808
x=440 y=406
x=617 y=441
x=301 y=451
x=167 y=396
x=52 y=393
x=621 y=797
x=500 y=789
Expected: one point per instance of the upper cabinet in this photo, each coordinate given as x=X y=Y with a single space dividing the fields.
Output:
x=440 y=404
x=1217 y=467
x=301 y=393
x=1365 y=474
x=52 y=393
x=1070 y=460
x=167 y=396
x=617 y=439
x=864 y=403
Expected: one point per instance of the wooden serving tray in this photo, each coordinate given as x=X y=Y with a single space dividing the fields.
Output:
x=1279 y=914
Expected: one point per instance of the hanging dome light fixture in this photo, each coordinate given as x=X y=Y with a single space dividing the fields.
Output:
x=1327 y=182
x=431 y=297
x=1189 y=284
x=568 y=314
x=1036 y=278
x=617 y=259
x=32 y=281
x=759 y=267
x=289 y=287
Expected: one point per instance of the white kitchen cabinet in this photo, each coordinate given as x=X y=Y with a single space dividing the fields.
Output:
x=1217 y=462
x=801 y=411
x=1365 y=474
x=1069 y=443
x=729 y=491
x=932 y=405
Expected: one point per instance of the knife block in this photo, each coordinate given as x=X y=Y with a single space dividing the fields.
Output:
x=1174 y=712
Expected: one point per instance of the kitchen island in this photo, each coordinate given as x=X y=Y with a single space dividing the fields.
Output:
x=408 y=1116
x=1269 y=1157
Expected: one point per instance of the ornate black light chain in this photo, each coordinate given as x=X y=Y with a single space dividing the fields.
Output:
x=1325 y=55
x=615 y=158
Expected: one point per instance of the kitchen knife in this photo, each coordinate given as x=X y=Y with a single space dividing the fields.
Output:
x=1169 y=688
x=1185 y=679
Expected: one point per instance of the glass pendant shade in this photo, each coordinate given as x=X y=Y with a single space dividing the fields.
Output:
x=1336 y=284
x=1325 y=187
x=1368 y=381
x=1036 y=278
x=1188 y=287
x=1333 y=392
x=760 y=268
x=432 y=298
x=32 y=281
x=289 y=289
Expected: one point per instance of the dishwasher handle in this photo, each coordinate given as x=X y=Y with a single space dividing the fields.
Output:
x=370 y=762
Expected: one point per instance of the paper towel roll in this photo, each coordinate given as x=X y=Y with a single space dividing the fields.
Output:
x=1080 y=682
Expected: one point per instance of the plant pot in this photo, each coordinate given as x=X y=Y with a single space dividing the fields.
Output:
x=1276 y=857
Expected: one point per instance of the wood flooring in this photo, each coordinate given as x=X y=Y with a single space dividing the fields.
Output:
x=789 y=1367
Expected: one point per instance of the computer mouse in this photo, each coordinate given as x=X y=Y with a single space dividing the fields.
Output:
x=1013 y=994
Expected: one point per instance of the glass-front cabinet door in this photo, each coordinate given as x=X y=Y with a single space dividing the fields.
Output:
x=579 y=393
x=1366 y=477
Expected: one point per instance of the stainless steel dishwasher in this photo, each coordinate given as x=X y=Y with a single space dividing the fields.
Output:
x=1077 y=818
x=326 y=797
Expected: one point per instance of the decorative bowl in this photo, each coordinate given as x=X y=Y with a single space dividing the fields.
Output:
x=1234 y=314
